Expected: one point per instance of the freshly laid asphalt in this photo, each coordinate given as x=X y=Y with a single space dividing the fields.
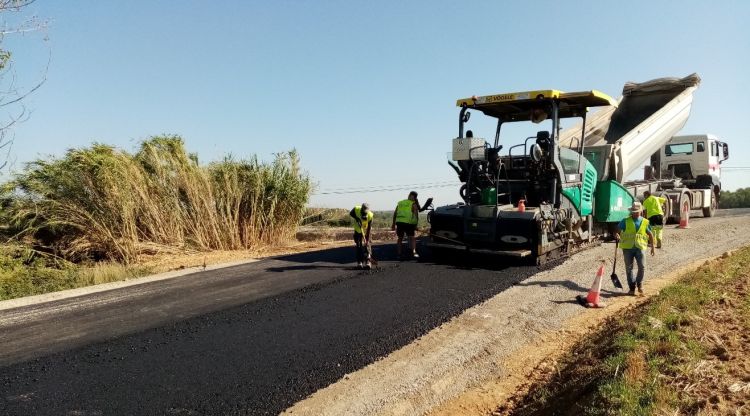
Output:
x=250 y=339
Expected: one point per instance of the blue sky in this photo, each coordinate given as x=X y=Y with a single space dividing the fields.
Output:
x=364 y=90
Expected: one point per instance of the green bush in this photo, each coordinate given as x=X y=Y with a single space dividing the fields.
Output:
x=101 y=202
x=24 y=272
x=737 y=199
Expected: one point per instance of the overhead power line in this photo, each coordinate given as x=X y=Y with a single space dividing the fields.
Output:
x=387 y=188
x=426 y=182
x=442 y=184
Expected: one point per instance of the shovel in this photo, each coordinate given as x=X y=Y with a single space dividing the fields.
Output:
x=370 y=256
x=615 y=279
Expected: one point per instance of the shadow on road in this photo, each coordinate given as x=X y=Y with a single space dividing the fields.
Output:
x=568 y=284
x=386 y=252
x=338 y=255
x=309 y=267
x=564 y=302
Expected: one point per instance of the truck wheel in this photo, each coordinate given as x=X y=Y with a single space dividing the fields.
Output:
x=712 y=207
x=667 y=206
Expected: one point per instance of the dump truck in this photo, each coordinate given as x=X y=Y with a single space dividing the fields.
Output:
x=560 y=190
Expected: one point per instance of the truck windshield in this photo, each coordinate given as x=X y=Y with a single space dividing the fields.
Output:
x=678 y=149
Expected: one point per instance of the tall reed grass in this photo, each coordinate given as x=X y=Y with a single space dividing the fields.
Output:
x=101 y=202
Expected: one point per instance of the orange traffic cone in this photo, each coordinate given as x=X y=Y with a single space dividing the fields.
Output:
x=684 y=217
x=592 y=299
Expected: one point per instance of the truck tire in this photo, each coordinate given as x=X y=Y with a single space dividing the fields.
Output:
x=667 y=206
x=712 y=207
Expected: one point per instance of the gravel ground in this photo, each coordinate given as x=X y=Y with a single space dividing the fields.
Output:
x=481 y=349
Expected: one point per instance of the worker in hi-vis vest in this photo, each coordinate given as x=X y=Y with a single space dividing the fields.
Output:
x=655 y=214
x=634 y=235
x=405 y=220
x=362 y=226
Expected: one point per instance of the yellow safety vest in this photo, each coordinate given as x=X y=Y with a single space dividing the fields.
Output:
x=653 y=204
x=631 y=238
x=404 y=213
x=365 y=221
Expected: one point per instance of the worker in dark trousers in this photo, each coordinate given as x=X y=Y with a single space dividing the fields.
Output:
x=655 y=214
x=362 y=227
x=405 y=220
x=634 y=235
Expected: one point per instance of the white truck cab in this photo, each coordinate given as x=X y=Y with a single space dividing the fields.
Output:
x=689 y=173
x=695 y=159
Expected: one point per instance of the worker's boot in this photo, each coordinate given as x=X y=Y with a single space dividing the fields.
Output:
x=414 y=254
x=640 y=290
x=359 y=264
x=368 y=265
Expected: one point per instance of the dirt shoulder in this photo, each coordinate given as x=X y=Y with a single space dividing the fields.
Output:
x=307 y=239
x=40 y=283
x=172 y=262
x=685 y=351
x=484 y=356
x=82 y=280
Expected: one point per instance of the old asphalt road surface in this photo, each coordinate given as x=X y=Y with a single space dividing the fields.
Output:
x=250 y=339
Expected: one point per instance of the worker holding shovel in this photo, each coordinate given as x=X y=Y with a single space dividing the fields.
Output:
x=634 y=235
x=362 y=226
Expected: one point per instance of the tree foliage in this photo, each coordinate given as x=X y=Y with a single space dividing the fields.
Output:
x=737 y=199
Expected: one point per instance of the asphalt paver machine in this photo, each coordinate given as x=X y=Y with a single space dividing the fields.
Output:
x=557 y=191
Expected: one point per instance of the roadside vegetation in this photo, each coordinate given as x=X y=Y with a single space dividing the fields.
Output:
x=737 y=199
x=686 y=351
x=90 y=215
x=25 y=272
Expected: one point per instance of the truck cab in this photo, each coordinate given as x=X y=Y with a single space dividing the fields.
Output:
x=696 y=159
